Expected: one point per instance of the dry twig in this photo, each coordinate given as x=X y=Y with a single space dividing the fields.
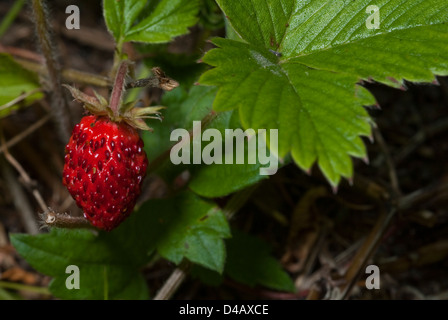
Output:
x=13 y=141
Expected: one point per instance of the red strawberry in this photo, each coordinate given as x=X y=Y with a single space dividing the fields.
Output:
x=105 y=162
x=104 y=168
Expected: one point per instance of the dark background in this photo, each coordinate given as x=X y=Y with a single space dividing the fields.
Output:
x=316 y=234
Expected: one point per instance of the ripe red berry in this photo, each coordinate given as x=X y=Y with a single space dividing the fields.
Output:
x=105 y=162
x=104 y=168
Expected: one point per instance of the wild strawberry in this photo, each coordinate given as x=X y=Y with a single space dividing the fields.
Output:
x=105 y=162
x=104 y=168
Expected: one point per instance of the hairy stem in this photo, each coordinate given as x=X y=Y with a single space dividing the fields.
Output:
x=117 y=90
x=158 y=80
x=60 y=110
x=118 y=58
x=62 y=220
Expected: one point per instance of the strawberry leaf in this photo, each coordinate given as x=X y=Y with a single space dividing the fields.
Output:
x=299 y=67
x=136 y=20
x=249 y=261
x=108 y=268
x=109 y=262
x=16 y=81
x=182 y=109
x=187 y=227
x=285 y=97
x=231 y=176
x=121 y=15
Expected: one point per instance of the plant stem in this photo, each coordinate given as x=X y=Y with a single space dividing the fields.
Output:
x=20 y=98
x=61 y=112
x=86 y=78
x=367 y=249
x=70 y=75
x=117 y=91
x=24 y=287
x=16 y=139
x=61 y=220
x=118 y=57
x=23 y=174
x=12 y=14
x=174 y=281
x=134 y=95
x=158 y=80
x=20 y=200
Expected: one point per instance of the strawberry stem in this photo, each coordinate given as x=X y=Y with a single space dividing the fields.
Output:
x=59 y=106
x=61 y=220
x=117 y=91
x=158 y=80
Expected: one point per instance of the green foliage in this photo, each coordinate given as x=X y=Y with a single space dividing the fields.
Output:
x=109 y=262
x=130 y=21
x=249 y=261
x=299 y=67
x=180 y=66
x=14 y=81
x=231 y=177
x=187 y=227
x=296 y=66
x=182 y=109
x=210 y=15
x=108 y=268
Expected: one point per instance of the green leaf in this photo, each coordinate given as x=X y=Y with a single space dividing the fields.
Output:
x=295 y=100
x=108 y=263
x=299 y=68
x=15 y=81
x=206 y=276
x=121 y=15
x=249 y=261
x=180 y=105
x=231 y=176
x=182 y=109
x=138 y=20
x=171 y=18
x=187 y=227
